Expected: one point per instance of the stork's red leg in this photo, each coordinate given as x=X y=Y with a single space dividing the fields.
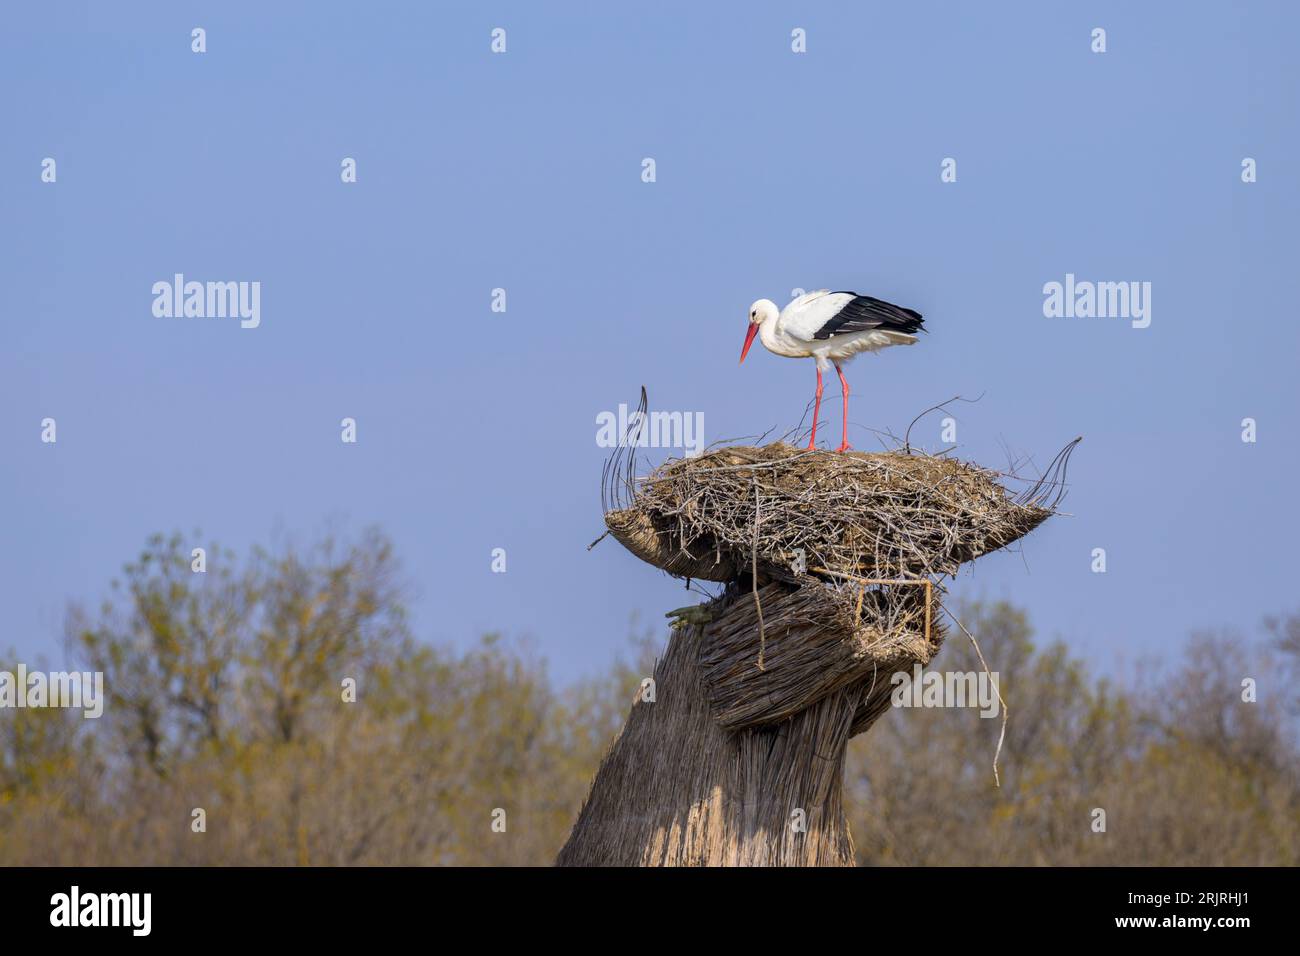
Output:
x=844 y=390
x=817 y=405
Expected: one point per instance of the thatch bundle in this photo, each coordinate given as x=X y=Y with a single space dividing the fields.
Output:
x=832 y=563
x=812 y=640
x=678 y=789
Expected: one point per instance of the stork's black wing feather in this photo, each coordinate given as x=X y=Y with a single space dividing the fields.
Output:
x=863 y=313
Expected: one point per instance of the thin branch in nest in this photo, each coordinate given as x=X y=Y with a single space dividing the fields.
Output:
x=1040 y=494
x=617 y=476
x=799 y=431
x=997 y=780
x=907 y=436
x=880 y=434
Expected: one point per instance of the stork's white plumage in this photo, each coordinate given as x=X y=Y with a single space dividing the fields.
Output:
x=831 y=327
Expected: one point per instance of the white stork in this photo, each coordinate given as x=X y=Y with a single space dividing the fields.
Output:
x=830 y=327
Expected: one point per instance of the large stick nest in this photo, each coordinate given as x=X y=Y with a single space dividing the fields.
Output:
x=785 y=511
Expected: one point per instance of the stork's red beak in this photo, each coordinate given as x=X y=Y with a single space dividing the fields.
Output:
x=749 y=340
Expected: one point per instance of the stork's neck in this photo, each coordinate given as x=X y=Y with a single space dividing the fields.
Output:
x=774 y=341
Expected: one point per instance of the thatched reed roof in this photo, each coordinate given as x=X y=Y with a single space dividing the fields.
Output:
x=768 y=655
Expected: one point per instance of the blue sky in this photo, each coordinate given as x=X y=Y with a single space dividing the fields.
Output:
x=522 y=170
